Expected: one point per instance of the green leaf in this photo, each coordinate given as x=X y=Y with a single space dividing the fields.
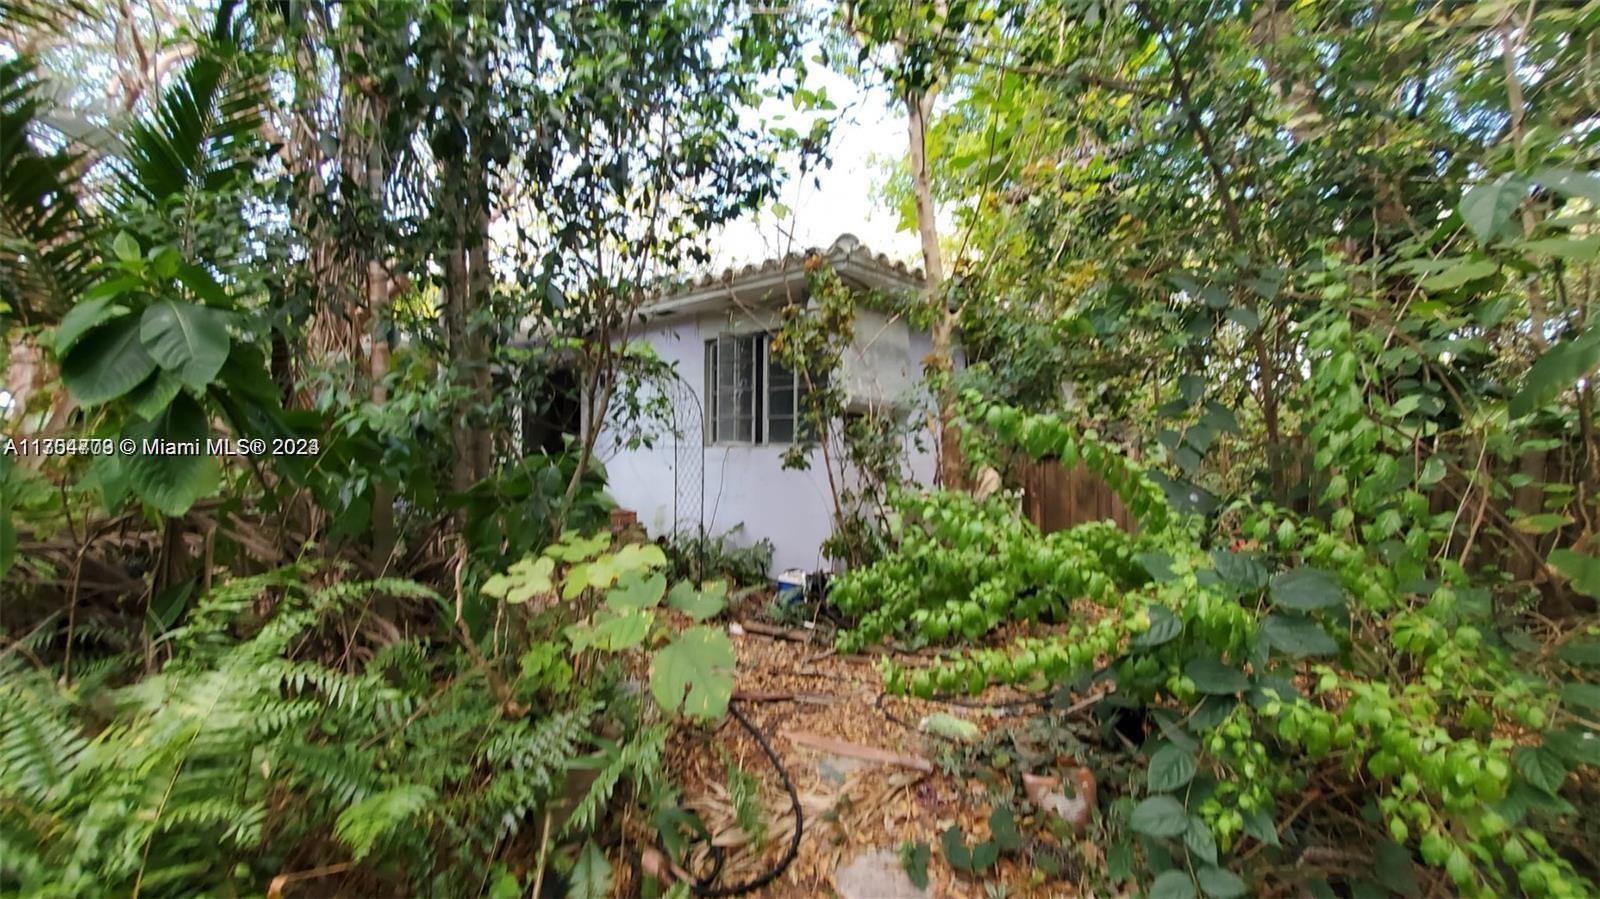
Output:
x=1561 y=366
x=1541 y=767
x=1241 y=570
x=615 y=632
x=1201 y=842
x=188 y=339
x=1306 y=589
x=1003 y=829
x=1260 y=826
x=1297 y=636
x=83 y=317
x=1159 y=816
x=956 y=853
x=1583 y=696
x=1575 y=746
x=1571 y=249
x=635 y=592
x=639 y=557
x=172 y=481
x=1164 y=627
x=1580 y=652
x=1570 y=183
x=574 y=548
x=1172 y=885
x=1170 y=768
x=152 y=397
x=1582 y=569
x=125 y=247
x=1463 y=272
x=710 y=599
x=1245 y=317
x=202 y=285
x=914 y=858
x=1391 y=862
x=525 y=580
x=1213 y=678
x=1487 y=208
x=1219 y=883
x=1543 y=523
x=590 y=877
x=984 y=855
x=106 y=363
x=700 y=664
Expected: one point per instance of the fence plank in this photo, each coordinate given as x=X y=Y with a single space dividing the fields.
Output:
x=1056 y=498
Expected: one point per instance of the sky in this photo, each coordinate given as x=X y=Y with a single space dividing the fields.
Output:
x=869 y=138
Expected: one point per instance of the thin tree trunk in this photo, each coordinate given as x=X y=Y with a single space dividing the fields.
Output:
x=919 y=106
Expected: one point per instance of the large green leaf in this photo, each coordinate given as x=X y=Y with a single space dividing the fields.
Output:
x=152 y=397
x=1571 y=183
x=1305 y=589
x=1581 y=696
x=1172 y=885
x=1582 y=569
x=1541 y=767
x=1487 y=208
x=1170 y=768
x=591 y=875
x=187 y=339
x=1241 y=570
x=523 y=581
x=612 y=631
x=1391 y=862
x=711 y=598
x=635 y=592
x=1462 y=272
x=1200 y=841
x=1558 y=369
x=1159 y=816
x=1164 y=627
x=1219 y=883
x=84 y=316
x=106 y=363
x=1297 y=636
x=176 y=471
x=694 y=674
x=1213 y=678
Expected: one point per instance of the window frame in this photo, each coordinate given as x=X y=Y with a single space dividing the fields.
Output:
x=763 y=365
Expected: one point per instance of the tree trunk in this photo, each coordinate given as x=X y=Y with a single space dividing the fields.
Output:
x=919 y=106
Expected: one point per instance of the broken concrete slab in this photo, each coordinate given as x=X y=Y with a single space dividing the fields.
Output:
x=875 y=875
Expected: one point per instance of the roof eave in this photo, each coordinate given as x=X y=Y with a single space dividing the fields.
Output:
x=762 y=286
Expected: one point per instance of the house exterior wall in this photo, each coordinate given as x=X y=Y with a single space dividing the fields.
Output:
x=748 y=485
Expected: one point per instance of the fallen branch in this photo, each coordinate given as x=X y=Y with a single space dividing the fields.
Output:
x=773 y=631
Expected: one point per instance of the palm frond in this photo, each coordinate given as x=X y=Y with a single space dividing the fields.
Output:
x=44 y=246
x=204 y=133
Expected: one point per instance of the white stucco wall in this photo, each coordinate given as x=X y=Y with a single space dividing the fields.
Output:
x=748 y=485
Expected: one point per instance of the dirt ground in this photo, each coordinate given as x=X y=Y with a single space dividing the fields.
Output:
x=799 y=693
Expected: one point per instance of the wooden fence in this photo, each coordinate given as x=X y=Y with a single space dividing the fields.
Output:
x=1055 y=497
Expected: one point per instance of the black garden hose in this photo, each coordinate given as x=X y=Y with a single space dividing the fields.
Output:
x=703 y=886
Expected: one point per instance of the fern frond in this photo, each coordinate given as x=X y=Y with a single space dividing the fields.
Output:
x=639 y=757
x=362 y=825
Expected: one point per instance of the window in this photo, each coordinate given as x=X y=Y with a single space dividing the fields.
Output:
x=750 y=396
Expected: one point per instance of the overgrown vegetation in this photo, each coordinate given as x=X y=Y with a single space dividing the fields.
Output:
x=1310 y=287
